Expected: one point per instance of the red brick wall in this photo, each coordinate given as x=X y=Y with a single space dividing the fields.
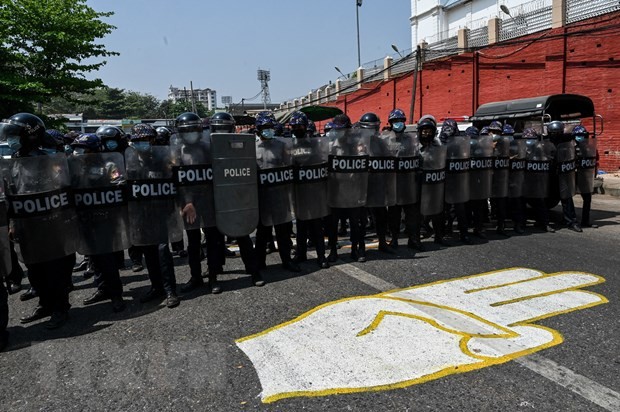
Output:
x=583 y=58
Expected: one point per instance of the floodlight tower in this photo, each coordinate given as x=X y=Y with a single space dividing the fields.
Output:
x=264 y=76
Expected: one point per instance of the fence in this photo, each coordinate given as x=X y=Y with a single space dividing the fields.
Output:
x=524 y=19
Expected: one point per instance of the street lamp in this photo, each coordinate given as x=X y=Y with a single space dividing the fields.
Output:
x=505 y=9
x=396 y=50
x=341 y=73
x=358 y=4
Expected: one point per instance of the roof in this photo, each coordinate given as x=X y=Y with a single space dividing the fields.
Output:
x=558 y=106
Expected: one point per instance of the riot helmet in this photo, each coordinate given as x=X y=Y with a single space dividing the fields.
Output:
x=53 y=141
x=87 y=143
x=328 y=126
x=426 y=130
x=496 y=127
x=265 y=125
x=370 y=121
x=472 y=132
x=580 y=133
x=222 y=122
x=448 y=129
x=163 y=136
x=397 y=120
x=299 y=124
x=189 y=127
x=142 y=136
x=112 y=138
x=508 y=130
x=529 y=133
x=484 y=131
x=23 y=130
x=555 y=127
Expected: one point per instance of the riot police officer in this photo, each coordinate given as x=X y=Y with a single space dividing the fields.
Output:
x=405 y=147
x=536 y=178
x=310 y=168
x=457 y=173
x=481 y=178
x=348 y=182
x=50 y=255
x=193 y=175
x=381 y=177
x=501 y=136
x=275 y=191
x=154 y=217
x=222 y=126
x=103 y=229
x=433 y=175
x=586 y=170
x=564 y=165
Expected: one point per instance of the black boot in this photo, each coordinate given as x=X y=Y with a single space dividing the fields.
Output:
x=333 y=255
x=361 y=253
x=501 y=229
x=384 y=247
x=215 y=285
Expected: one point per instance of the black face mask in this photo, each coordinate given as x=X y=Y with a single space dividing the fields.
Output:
x=299 y=133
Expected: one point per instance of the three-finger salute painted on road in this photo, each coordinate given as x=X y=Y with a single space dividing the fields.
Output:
x=413 y=335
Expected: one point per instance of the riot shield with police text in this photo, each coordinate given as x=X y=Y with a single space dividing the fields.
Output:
x=381 y=190
x=566 y=164
x=310 y=172
x=235 y=183
x=348 y=169
x=99 y=183
x=537 y=169
x=586 y=165
x=432 y=179
x=275 y=181
x=193 y=175
x=481 y=167
x=405 y=147
x=457 y=169
x=516 y=173
x=5 y=247
x=501 y=166
x=154 y=213
x=41 y=207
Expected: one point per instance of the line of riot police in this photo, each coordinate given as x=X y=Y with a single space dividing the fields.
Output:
x=106 y=192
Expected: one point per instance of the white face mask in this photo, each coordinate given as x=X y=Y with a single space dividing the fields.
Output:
x=191 y=137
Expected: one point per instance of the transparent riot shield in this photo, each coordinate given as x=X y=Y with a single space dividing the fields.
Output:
x=537 y=169
x=457 y=169
x=5 y=247
x=586 y=165
x=154 y=213
x=565 y=162
x=481 y=167
x=99 y=183
x=41 y=208
x=405 y=147
x=381 y=190
x=275 y=181
x=432 y=180
x=516 y=174
x=193 y=175
x=347 y=183
x=310 y=172
x=501 y=167
x=235 y=183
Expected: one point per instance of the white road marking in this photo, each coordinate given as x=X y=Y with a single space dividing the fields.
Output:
x=586 y=388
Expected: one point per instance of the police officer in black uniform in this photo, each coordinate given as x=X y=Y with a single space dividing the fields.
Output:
x=51 y=279
x=223 y=122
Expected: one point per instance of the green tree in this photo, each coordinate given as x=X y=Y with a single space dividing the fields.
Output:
x=46 y=48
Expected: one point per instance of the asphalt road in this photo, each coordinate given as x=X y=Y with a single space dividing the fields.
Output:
x=154 y=358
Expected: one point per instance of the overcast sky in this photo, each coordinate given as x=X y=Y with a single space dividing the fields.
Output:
x=221 y=44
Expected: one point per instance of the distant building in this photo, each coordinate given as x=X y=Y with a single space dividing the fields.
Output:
x=208 y=97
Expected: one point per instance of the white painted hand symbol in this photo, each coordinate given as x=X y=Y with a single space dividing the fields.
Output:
x=413 y=335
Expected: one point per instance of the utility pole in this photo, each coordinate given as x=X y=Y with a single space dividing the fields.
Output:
x=418 y=63
x=264 y=76
x=358 y=4
x=191 y=88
